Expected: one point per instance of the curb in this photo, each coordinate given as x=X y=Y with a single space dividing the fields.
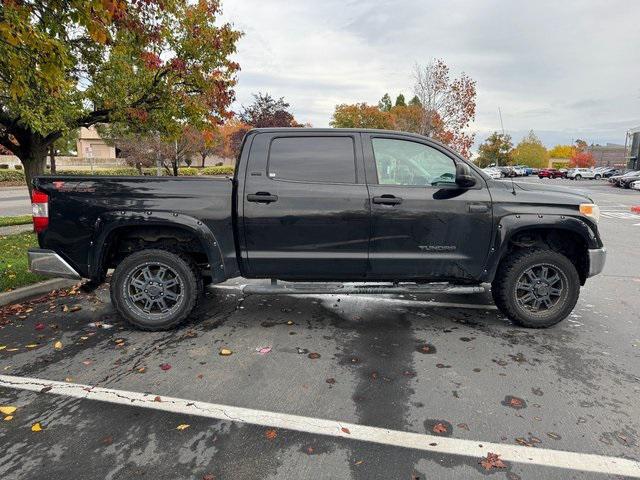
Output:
x=41 y=288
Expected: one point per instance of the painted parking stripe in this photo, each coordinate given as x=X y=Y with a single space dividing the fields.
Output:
x=452 y=446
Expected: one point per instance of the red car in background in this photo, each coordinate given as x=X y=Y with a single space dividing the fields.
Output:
x=551 y=173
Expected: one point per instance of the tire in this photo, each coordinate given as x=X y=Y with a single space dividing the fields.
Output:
x=145 y=277
x=598 y=176
x=511 y=297
x=578 y=177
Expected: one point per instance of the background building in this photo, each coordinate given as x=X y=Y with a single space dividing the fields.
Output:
x=91 y=145
x=609 y=155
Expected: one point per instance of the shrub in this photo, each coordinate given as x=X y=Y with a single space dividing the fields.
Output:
x=221 y=170
x=18 y=167
x=4 y=166
x=11 y=176
x=188 y=171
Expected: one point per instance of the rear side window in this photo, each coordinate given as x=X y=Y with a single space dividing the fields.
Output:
x=313 y=159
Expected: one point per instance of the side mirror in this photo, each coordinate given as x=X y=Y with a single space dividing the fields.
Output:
x=464 y=179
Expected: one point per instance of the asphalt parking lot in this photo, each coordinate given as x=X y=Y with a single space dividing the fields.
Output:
x=451 y=370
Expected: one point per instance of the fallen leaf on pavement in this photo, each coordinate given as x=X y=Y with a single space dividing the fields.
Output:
x=157 y=399
x=58 y=345
x=208 y=476
x=271 y=434
x=86 y=362
x=439 y=428
x=36 y=427
x=359 y=462
x=65 y=308
x=45 y=389
x=141 y=369
x=165 y=366
x=7 y=410
x=492 y=461
x=2 y=347
x=75 y=308
x=225 y=352
x=263 y=350
x=8 y=418
x=183 y=426
x=313 y=355
x=40 y=326
x=330 y=381
x=32 y=345
x=345 y=430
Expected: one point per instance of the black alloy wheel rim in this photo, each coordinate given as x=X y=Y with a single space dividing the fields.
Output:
x=540 y=288
x=154 y=289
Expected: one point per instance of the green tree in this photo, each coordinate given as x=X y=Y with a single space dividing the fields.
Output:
x=531 y=152
x=415 y=101
x=496 y=149
x=400 y=101
x=361 y=115
x=141 y=66
x=385 y=103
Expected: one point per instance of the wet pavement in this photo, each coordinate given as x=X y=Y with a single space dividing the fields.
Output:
x=396 y=362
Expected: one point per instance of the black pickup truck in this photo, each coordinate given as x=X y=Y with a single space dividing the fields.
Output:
x=376 y=211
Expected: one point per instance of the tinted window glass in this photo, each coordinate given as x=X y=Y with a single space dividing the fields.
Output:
x=313 y=159
x=402 y=162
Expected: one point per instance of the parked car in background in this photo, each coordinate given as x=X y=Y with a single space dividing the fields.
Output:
x=507 y=171
x=626 y=181
x=551 y=173
x=636 y=185
x=607 y=172
x=583 y=173
x=493 y=172
x=615 y=180
x=519 y=170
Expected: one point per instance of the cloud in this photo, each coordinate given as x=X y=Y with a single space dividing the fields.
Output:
x=559 y=68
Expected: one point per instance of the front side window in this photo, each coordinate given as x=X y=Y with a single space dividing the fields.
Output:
x=313 y=159
x=403 y=162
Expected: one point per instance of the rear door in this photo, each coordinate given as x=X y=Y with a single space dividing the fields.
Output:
x=306 y=211
x=423 y=225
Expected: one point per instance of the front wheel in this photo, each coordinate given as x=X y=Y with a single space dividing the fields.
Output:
x=578 y=177
x=598 y=176
x=155 y=289
x=536 y=288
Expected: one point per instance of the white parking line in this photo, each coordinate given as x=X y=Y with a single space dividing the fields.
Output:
x=430 y=443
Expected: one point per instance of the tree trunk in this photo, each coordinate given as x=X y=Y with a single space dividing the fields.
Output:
x=204 y=157
x=174 y=165
x=34 y=163
x=52 y=156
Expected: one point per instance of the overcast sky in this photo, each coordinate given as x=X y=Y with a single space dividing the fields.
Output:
x=566 y=69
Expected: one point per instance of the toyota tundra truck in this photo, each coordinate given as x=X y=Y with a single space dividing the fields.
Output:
x=321 y=211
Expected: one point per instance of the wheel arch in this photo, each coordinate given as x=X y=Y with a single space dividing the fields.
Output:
x=112 y=227
x=562 y=233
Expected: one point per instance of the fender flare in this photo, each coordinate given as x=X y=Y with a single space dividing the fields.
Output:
x=510 y=225
x=110 y=222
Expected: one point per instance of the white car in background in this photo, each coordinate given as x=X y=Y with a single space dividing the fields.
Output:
x=635 y=185
x=492 y=172
x=580 y=173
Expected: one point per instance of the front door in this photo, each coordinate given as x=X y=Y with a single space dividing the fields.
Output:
x=306 y=211
x=423 y=225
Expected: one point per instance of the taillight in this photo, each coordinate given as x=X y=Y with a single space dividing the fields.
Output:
x=40 y=209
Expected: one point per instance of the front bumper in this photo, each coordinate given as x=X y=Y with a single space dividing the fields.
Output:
x=50 y=264
x=597 y=257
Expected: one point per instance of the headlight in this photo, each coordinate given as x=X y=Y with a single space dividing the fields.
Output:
x=590 y=210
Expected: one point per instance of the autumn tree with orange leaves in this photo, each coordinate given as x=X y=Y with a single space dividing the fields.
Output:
x=448 y=105
x=144 y=67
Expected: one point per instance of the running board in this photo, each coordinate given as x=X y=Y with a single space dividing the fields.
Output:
x=276 y=288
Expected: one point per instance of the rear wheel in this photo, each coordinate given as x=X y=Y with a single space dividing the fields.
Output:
x=578 y=177
x=155 y=289
x=598 y=176
x=536 y=288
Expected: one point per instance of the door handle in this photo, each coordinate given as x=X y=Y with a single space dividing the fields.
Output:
x=387 y=200
x=262 y=197
x=478 y=207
